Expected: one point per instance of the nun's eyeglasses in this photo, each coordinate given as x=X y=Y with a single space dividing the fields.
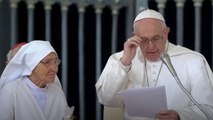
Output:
x=51 y=62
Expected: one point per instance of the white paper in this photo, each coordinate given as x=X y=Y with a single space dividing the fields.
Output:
x=145 y=102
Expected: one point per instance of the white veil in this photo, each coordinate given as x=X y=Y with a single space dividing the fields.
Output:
x=25 y=60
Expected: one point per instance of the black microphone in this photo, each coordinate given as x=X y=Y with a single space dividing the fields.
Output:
x=166 y=60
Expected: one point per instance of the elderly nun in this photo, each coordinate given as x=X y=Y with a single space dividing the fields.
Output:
x=29 y=86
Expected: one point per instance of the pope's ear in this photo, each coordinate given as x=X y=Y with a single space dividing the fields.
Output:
x=167 y=30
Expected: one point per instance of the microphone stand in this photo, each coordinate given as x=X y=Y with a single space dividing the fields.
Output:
x=166 y=60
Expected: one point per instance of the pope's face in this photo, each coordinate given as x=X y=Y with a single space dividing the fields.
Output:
x=153 y=34
x=45 y=71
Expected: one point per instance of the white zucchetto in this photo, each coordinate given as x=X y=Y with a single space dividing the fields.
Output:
x=149 y=13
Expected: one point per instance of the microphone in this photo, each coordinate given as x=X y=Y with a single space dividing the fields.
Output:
x=167 y=61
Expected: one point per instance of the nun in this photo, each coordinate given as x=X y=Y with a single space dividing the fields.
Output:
x=29 y=86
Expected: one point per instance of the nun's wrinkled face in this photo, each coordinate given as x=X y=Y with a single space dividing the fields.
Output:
x=45 y=71
x=153 y=34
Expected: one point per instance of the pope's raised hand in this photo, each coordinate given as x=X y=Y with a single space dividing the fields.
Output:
x=129 y=51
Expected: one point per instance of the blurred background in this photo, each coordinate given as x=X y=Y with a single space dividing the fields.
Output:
x=86 y=32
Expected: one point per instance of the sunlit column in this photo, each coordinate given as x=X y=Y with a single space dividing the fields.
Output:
x=179 y=16
x=198 y=5
x=161 y=5
x=130 y=18
x=81 y=9
x=30 y=6
x=64 y=49
x=141 y=5
x=48 y=7
x=115 y=11
x=98 y=11
x=137 y=7
x=13 y=23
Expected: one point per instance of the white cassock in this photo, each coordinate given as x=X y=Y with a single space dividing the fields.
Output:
x=191 y=67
